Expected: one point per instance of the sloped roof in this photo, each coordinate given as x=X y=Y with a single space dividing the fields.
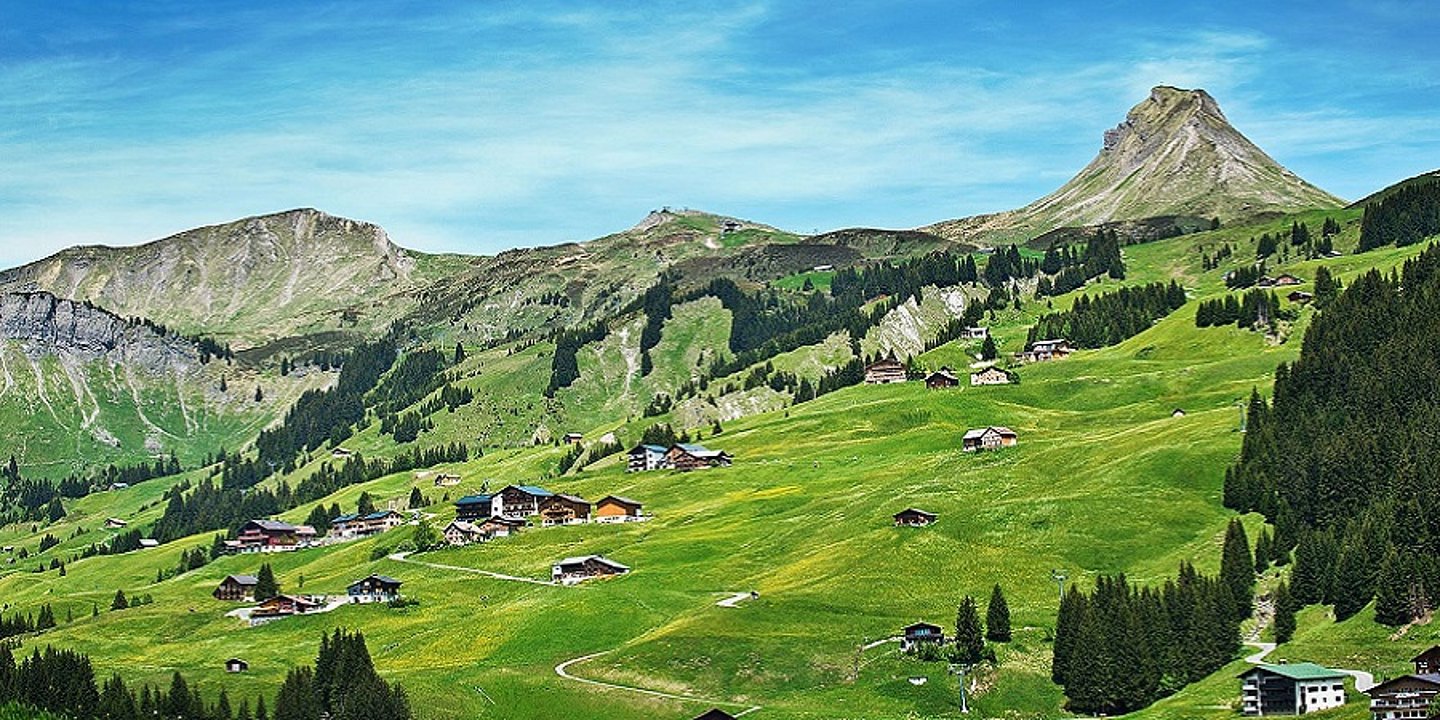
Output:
x=535 y=490
x=692 y=448
x=464 y=526
x=272 y=525
x=1429 y=678
x=378 y=514
x=649 y=448
x=597 y=558
x=475 y=500
x=382 y=579
x=621 y=500
x=573 y=498
x=348 y=517
x=916 y=511
x=242 y=579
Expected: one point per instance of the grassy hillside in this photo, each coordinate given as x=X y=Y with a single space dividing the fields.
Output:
x=1104 y=480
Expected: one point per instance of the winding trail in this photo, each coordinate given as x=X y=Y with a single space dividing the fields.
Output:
x=1363 y=680
x=563 y=670
x=404 y=557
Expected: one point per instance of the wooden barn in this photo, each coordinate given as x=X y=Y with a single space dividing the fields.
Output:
x=283 y=606
x=572 y=438
x=572 y=570
x=913 y=517
x=613 y=509
x=447 y=480
x=942 y=378
x=236 y=665
x=1043 y=350
x=564 y=510
x=462 y=532
x=884 y=372
x=499 y=526
x=990 y=376
x=988 y=438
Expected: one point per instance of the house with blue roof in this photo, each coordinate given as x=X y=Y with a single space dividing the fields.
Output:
x=474 y=507
x=519 y=501
x=647 y=457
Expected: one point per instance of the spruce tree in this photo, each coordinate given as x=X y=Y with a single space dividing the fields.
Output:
x=266 y=586
x=1237 y=568
x=365 y=505
x=988 y=351
x=969 y=635
x=997 y=617
x=119 y=603
x=417 y=499
x=1392 y=605
x=1284 y=613
x=1263 y=551
x=1067 y=633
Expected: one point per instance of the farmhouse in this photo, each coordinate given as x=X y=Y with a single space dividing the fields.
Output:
x=564 y=510
x=975 y=333
x=114 y=523
x=1286 y=279
x=577 y=569
x=912 y=517
x=1042 y=350
x=990 y=376
x=989 y=438
x=462 y=532
x=942 y=378
x=696 y=457
x=380 y=521
x=474 y=507
x=375 y=588
x=447 y=480
x=644 y=457
x=1290 y=689
x=236 y=587
x=498 y=526
x=283 y=606
x=268 y=535
x=1299 y=296
x=519 y=501
x=919 y=634
x=340 y=452
x=884 y=372
x=236 y=665
x=614 y=509
x=572 y=438
x=1407 y=697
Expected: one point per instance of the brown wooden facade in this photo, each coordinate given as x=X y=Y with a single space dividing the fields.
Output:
x=564 y=510
x=236 y=588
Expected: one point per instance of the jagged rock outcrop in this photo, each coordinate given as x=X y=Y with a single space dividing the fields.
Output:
x=42 y=324
x=1175 y=154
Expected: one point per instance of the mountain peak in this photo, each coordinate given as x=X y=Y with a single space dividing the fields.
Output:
x=1174 y=154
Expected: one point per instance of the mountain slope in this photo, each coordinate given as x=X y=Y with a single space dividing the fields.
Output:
x=247 y=281
x=1175 y=154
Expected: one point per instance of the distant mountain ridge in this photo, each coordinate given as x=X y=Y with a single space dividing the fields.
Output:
x=1175 y=154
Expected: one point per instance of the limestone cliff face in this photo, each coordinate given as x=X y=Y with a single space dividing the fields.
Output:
x=1175 y=154
x=248 y=281
x=43 y=325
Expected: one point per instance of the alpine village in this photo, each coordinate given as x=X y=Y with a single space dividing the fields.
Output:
x=1172 y=459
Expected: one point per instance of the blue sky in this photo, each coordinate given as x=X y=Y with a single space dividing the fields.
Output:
x=478 y=127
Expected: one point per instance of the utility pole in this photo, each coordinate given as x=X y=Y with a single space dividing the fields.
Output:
x=1060 y=577
x=959 y=671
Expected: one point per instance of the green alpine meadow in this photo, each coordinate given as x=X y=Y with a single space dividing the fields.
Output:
x=1159 y=444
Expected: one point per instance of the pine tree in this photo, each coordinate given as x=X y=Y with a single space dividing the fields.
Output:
x=119 y=603
x=1392 y=606
x=997 y=617
x=1067 y=632
x=1284 y=613
x=459 y=353
x=1237 y=568
x=365 y=505
x=417 y=500
x=1263 y=551
x=266 y=586
x=969 y=635
x=988 y=351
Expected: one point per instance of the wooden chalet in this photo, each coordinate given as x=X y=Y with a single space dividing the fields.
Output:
x=572 y=438
x=462 y=532
x=690 y=456
x=942 y=378
x=268 y=535
x=1286 y=280
x=564 y=510
x=114 y=523
x=236 y=665
x=921 y=633
x=1290 y=689
x=613 y=509
x=572 y=570
x=447 y=480
x=884 y=372
x=375 y=588
x=500 y=526
x=913 y=517
x=340 y=452
x=474 y=507
x=715 y=714
x=1043 y=350
x=1408 y=697
x=1427 y=662
x=285 y=605
x=988 y=438
x=519 y=501
x=236 y=588
x=644 y=457
x=1299 y=296
x=990 y=376
x=975 y=333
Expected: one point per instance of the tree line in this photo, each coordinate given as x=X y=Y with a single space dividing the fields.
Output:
x=1110 y=318
x=1340 y=460
x=1406 y=217
x=1254 y=309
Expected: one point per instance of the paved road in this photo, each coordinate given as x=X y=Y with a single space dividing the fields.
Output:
x=404 y=557
x=1363 y=680
x=563 y=670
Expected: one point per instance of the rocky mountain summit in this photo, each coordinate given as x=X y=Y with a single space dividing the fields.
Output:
x=1175 y=154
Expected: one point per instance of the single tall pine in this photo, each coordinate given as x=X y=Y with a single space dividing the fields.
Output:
x=997 y=617
x=265 y=585
x=969 y=636
x=1237 y=568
